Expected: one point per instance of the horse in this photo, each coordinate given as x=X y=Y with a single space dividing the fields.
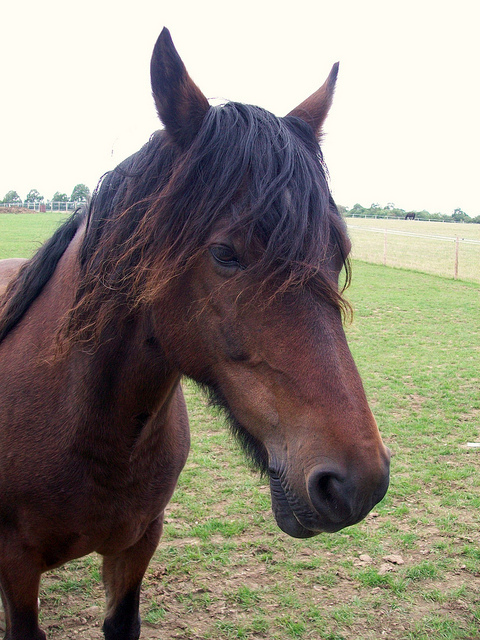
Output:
x=8 y=269
x=410 y=215
x=215 y=253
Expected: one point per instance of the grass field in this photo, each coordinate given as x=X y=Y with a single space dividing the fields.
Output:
x=410 y=571
x=21 y=234
x=432 y=248
x=471 y=231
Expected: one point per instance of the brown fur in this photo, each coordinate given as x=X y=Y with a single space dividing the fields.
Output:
x=8 y=269
x=92 y=441
x=315 y=108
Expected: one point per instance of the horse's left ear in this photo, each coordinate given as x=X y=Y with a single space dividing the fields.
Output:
x=314 y=109
x=180 y=104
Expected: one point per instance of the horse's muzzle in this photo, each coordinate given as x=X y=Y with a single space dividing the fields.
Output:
x=335 y=499
x=339 y=501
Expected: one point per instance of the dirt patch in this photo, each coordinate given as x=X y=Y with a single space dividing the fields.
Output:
x=16 y=210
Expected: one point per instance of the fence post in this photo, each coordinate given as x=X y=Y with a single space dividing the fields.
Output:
x=457 y=243
x=385 y=248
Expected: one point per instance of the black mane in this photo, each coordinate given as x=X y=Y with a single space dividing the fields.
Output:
x=35 y=274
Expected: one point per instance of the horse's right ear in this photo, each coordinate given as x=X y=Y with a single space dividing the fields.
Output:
x=315 y=109
x=181 y=105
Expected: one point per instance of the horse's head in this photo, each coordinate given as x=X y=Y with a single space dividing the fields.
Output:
x=255 y=312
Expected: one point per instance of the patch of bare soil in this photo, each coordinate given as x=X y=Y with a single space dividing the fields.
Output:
x=16 y=210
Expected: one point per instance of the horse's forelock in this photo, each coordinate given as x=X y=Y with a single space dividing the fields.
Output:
x=272 y=170
x=268 y=171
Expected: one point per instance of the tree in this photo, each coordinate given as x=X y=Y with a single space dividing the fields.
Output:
x=80 y=193
x=12 y=196
x=460 y=216
x=34 y=196
x=357 y=209
x=60 y=197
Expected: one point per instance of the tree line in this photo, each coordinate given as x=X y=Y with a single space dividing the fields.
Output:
x=391 y=211
x=80 y=193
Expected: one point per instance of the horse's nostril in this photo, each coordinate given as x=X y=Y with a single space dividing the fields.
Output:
x=329 y=494
x=324 y=482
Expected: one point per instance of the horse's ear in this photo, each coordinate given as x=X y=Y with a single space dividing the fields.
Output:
x=314 y=109
x=181 y=105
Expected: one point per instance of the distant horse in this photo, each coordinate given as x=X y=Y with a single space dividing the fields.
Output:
x=214 y=252
x=410 y=215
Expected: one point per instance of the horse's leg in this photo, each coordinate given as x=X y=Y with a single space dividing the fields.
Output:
x=20 y=581
x=122 y=576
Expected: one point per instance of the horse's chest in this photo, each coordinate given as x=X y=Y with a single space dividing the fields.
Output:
x=121 y=508
x=123 y=504
x=123 y=531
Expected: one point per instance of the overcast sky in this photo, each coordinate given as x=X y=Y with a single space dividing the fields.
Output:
x=404 y=126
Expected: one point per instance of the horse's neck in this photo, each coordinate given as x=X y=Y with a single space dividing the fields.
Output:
x=127 y=376
x=123 y=377
x=126 y=404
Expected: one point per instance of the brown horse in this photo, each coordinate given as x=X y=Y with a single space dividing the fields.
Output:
x=8 y=269
x=214 y=252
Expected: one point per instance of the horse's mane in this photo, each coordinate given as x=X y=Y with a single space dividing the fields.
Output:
x=151 y=216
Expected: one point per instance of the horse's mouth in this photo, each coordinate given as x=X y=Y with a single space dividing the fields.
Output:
x=284 y=512
x=294 y=518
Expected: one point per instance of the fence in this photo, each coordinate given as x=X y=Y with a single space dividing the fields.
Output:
x=369 y=216
x=43 y=206
x=449 y=256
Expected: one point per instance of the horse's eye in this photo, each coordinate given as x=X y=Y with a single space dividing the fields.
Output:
x=225 y=255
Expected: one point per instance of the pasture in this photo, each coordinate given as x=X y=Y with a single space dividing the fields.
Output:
x=419 y=245
x=410 y=571
x=21 y=234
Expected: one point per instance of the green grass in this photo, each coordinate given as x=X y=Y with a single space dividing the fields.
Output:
x=224 y=570
x=154 y=613
x=21 y=234
x=427 y=252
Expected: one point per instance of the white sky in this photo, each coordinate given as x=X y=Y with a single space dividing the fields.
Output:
x=404 y=127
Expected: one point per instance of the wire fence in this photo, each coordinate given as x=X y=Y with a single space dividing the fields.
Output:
x=450 y=256
x=70 y=205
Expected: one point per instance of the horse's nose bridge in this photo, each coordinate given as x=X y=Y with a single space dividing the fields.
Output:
x=347 y=466
x=342 y=442
x=356 y=445
x=343 y=421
